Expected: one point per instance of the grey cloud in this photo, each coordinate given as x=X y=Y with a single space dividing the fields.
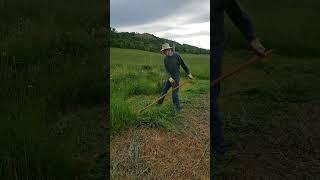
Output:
x=200 y=18
x=147 y=28
x=174 y=35
x=130 y=13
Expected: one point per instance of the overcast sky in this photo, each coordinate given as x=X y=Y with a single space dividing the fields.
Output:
x=184 y=21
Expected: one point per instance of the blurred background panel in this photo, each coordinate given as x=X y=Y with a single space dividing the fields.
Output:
x=54 y=89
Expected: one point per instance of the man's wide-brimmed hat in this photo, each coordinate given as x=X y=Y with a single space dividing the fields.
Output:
x=165 y=46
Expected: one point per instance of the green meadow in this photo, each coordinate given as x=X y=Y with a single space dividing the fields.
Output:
x=137 y=78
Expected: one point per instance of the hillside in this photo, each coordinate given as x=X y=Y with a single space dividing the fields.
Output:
x=148 y=42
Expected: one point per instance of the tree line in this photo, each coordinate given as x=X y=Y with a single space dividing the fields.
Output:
x=148 y=42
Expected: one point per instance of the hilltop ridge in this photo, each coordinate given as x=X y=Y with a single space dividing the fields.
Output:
x=148 y=42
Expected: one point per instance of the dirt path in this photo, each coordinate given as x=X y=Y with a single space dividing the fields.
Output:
x=146 y=153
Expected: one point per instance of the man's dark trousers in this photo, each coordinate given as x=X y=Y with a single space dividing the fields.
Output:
x=175 y=96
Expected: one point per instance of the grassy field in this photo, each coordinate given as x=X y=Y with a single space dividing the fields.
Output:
x=137 y=78
x=270 y=110
x=271 y=114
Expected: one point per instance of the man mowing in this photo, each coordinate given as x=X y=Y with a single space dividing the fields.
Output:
x=172 y=62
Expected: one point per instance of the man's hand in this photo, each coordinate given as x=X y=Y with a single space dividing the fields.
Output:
x=258 y=47
x=190 y=76
x=172 y=81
